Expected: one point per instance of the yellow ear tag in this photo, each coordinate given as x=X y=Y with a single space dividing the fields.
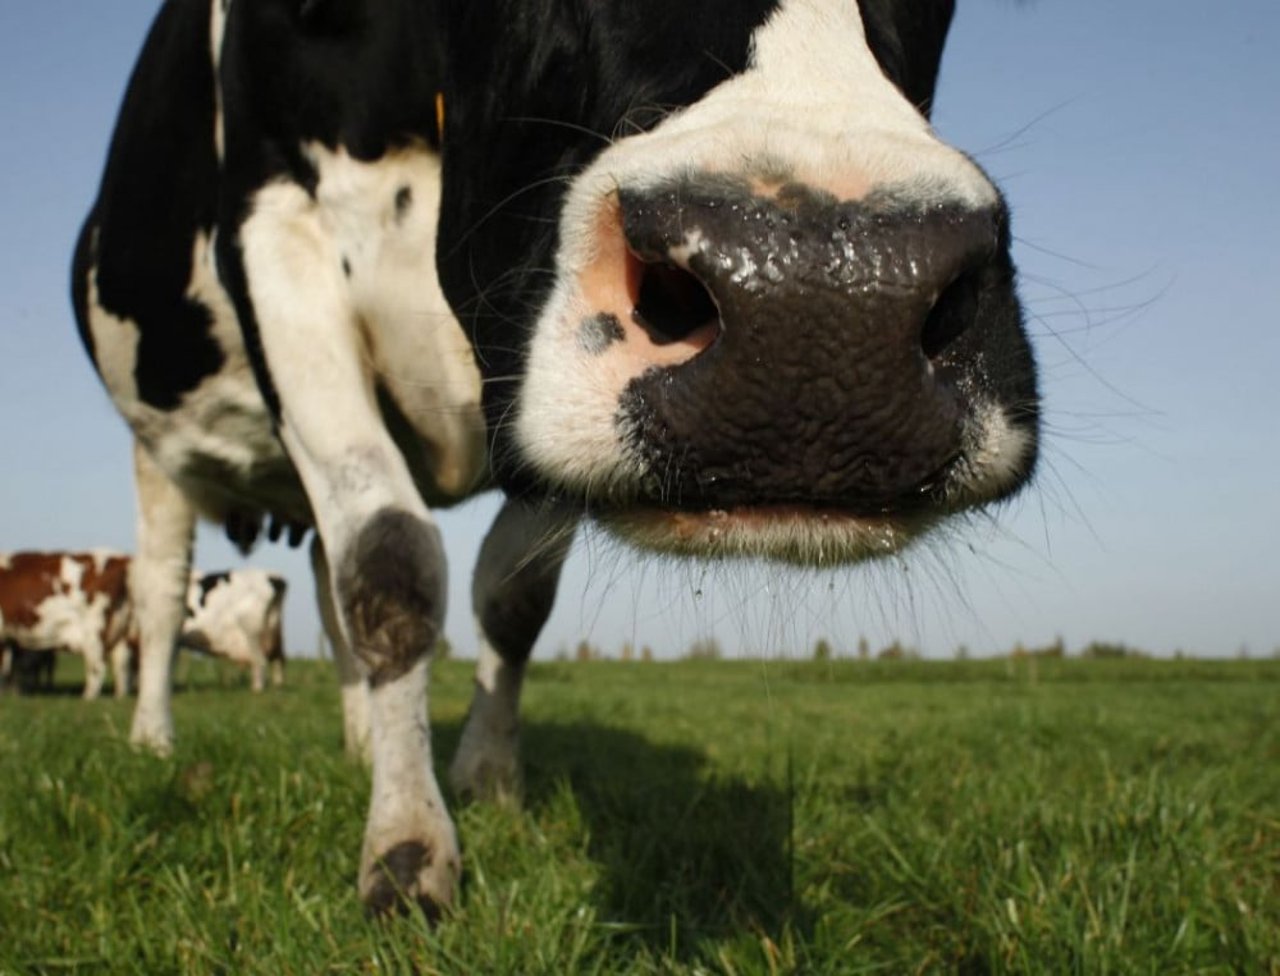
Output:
x=440 y=116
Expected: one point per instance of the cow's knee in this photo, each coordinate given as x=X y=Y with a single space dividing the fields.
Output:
x=391 y=591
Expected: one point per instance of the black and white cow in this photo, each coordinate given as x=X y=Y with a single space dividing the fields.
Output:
x=700 y=271
x=238 y=615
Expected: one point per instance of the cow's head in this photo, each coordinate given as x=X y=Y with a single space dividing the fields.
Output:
x=727 y=288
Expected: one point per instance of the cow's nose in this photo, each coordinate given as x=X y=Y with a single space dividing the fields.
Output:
x=712 y=257
x=821 y=336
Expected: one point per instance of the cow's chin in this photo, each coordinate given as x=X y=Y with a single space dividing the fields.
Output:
x=798 y=534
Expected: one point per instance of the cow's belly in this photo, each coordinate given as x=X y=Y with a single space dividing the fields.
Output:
x=216 y=440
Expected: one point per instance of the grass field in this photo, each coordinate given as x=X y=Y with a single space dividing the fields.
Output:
x=694 y=817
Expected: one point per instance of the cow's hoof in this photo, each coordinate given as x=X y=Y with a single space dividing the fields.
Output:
x=408 y=874
x=154 y=735
x=486 y=767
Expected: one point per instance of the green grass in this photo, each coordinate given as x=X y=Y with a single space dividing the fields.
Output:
x=699 y=817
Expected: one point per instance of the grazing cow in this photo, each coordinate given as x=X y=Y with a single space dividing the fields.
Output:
x=73 y=600
x=238 y=615
x=700 y=271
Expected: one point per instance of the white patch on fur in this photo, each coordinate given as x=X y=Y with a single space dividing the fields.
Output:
x=813 y=107
x=405 y=804
x=996 y=455
x=218 y=10
x=219 y=443
x=346 y=297
x=158 y=581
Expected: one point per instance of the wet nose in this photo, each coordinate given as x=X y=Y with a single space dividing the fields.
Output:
x=715 y=254
x=826 y=335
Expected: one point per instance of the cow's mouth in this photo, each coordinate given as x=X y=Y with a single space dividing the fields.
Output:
x=803 y=534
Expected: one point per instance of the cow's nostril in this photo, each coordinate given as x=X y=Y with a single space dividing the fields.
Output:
x=671 y=304
x=952 y=314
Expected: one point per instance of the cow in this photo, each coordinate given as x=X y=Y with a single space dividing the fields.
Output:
x=238 y=615
x=702 y=273
x=78 y=601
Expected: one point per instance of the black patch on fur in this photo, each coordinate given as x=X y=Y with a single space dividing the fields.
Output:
x=390 y=591
x=599 y=332
x=346 y=267
x=209 y=582
x=158 y=192
x=394 y=888
x=404 y=200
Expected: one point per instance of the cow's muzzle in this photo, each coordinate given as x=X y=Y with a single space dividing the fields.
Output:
x=824 y=355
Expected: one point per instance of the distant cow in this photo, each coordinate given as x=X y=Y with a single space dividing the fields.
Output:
x=73 y=600
x=238 y=615
x=701 y=271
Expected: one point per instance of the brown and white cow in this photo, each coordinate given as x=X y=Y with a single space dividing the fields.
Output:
x=78 y=601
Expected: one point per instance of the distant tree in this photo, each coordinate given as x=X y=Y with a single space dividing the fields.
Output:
x=704 y=649
x=1242 y=652
x=443 y=650
x=864 y=648
x=562 y=652
x=892 y=652
x=1105 y=649
x=646 y=653
x=962 y=652
x=1057 y=649
x=822 y=650
x=584 y=652
x=628 y=651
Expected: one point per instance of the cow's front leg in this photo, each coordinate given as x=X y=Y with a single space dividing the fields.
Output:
x=158 y=580
x=512 y=594
x=95 y=667
x=385 y=556
x=351 y=676
x=120 y=664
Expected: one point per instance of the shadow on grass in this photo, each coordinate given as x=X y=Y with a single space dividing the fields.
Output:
x=685 y=853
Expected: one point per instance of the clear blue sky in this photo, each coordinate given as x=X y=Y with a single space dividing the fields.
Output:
x=1139 y=144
